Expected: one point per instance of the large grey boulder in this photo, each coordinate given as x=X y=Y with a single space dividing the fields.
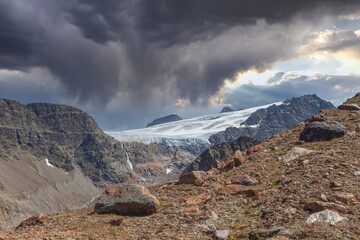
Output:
x=127 y=200
x=322 y=131
x=326 y=216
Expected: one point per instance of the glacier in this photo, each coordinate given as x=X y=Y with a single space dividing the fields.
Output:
x=187 y=132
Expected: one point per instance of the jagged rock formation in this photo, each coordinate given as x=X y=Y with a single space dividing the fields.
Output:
x=226 y=109
x=220 y=152
x=166 y=119
x=264 y=123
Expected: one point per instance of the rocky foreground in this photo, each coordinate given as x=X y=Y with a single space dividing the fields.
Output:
x=285 y=188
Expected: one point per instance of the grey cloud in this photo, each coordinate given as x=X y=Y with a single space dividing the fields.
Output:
x=148 y=53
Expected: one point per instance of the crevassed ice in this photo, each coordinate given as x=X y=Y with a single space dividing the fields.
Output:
x=189 y=131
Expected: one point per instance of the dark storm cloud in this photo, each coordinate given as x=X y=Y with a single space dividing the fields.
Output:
x=145 y=53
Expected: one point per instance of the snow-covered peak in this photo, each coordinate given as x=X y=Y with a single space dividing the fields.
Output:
x=188 y=131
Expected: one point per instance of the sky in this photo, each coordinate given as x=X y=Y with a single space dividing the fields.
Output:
x=131 y=61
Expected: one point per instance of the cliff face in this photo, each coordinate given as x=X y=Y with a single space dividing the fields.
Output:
x=48 y=156
x=264 y=123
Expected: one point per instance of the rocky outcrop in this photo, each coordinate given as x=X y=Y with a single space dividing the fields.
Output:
x=194 y=177
x=226 y=109
x=321 y=129
x=127 y=200
x=220 y=152
x=265 y=123
x=166 y=119
x=39 y=219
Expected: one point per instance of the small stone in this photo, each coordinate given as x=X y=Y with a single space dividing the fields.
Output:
x=346 y=198
x=191 y=209
x=253 y=149
x=304 y=162
x=326 y=175
x=3 y=236
x=334 y=184
x=201 y=199
x=259 y=195
x=357 y=173
x=191 y=177
x=342 y=173
x=290 y=210
x=116 y=222
x=326 y=216
x=39 y=219
x=278 y=238
x=219 y=234
x=233 y=189
x=299 y=142
x=294 y=153
x=242 y=179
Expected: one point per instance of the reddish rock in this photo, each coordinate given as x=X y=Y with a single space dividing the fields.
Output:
x=259 y=195
x=346 y=198
x=127 y=200
x=191 y=209
x=334 y=184
x=242 y=179
x=39 y=219
x=233 y=189
x=304 y=162
x=234 y=161
x=192 y=178
x=116 y=222
x=318 y=206
x=201 y=199
x=3 y=236
x=318 y=118
x=253 y=149
x=351 y=106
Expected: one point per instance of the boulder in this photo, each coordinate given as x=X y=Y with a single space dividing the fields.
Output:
x=127 y=200
x=322 y=131
x=318 y=206
x=39 y=219
x=326 y=216
x=351 y=106
x=346 y=198
x=242 y=179
x=234 y=161
x=201 y=199
x=253 y=149
x=294 y=153
x=233 y=189
x=194 y=177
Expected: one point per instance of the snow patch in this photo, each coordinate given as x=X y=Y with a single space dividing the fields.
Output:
x=49 y=164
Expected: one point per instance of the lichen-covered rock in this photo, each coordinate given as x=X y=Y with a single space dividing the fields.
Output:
x=326 y=216
x=127 y=200
x=294 y=153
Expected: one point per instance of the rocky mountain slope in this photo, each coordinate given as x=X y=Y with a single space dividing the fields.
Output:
x=267 y=122
x=55 y=157
x=291 y=189
x=166 y=119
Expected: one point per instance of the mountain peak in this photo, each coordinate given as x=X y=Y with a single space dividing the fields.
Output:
x=165 y=119
x=226 y=109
